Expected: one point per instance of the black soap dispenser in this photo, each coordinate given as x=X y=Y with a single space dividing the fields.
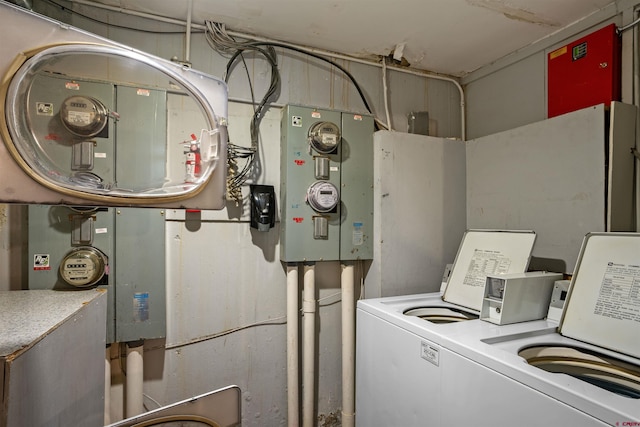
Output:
x=263 y=207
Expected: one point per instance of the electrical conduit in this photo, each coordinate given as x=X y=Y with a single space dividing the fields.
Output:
x=293 y=317
x=347 y=282
x=135 y=368
x=308 y=350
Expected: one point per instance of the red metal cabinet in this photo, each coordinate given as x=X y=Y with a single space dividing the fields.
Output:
x=585 y=72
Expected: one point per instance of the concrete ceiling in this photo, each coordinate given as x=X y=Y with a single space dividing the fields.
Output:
x=452 y=37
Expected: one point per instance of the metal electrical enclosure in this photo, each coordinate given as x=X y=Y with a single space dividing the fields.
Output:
x=585 y=72
x=132 y=242
x=326 y=185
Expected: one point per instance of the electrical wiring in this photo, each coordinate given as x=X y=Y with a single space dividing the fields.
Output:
x=221 y=42
x=274 y=321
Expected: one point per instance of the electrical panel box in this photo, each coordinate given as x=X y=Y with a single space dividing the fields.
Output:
x=117 y=249
x=517 y=297
x=584 y=73
x=326 y=185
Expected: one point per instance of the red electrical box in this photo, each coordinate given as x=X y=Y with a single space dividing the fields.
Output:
x=585 y=72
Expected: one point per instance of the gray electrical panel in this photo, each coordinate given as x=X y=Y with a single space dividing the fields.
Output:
x=326 y=185
x=140 y=303
x=119 y=249
x=132 y=244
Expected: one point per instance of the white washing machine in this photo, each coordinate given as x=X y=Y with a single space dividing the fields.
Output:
x=591 y=362
x=414 y=361
x=411 y=374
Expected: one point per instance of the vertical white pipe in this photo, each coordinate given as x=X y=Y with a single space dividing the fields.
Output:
x=385 y=93
x=309 y=350
x=107 y=386
x=135 y=368
x=187 y=48
x=347 y=281
x=116 y=395
x=293 y=375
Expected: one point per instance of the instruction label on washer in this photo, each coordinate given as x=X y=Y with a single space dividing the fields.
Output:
x=430 y=352
x=619 y=296
x=483 y=263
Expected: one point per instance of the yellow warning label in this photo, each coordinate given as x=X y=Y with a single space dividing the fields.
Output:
x=558 y=52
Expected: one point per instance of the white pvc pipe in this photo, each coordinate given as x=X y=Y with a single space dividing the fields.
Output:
x=309 y=350
x=135 y=368
x=385 y=92
x=107 y=386
x=348 y=345
x=187 y=48
x=293 y=317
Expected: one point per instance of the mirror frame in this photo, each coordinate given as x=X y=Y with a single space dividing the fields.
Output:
x=214 y=122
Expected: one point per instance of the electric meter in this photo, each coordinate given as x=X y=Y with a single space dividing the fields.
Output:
x=83 y=116
x=324 y=137
x=83 y=266
x=323 y=196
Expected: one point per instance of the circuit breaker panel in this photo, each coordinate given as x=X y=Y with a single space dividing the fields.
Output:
x=326 y=185
x=120 y=250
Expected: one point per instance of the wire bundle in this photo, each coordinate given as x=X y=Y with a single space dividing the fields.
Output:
x=224 y=44
x=219 y=40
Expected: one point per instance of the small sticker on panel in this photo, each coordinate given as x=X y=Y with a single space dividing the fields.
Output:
x=101 y=230
x=430 y=353
x=357 y=238
x=41 y=262
x=140 y=306
x=143 y=92
x=333 y=168
x=558 y=52
x=72 y=86
x=100 y=155
x=357 y=117
x=296 y=121
x=44 y=108
x=316 y=115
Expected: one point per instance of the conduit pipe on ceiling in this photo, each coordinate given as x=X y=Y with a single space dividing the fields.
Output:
x=347 y=280
x=309 y=346
x=293 y=317
x=134 y=381
x=322 y=52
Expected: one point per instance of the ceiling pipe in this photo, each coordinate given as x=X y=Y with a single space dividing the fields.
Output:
x=322 y=52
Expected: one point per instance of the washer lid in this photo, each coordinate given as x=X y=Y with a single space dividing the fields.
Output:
x=484 y=252
x=603 y=304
